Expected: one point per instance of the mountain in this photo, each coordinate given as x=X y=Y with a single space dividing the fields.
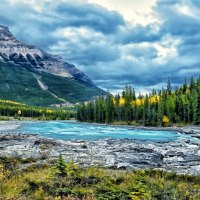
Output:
x=30 y=75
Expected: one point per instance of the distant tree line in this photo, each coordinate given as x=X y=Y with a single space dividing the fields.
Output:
x=158 y=108
x=17 y=110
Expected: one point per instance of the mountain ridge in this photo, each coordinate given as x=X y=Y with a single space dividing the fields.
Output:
x=27 y=55
x=45 y=68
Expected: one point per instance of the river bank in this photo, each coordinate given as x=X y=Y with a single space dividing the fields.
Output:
x=182 y=156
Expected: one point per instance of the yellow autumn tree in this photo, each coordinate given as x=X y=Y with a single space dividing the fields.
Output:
x=121 y=101
x=165 y=120
x=49 y=111
x=139 y=102
x=114 y=102
x=154 y=99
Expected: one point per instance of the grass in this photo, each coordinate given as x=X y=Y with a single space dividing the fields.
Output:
x=73 y=182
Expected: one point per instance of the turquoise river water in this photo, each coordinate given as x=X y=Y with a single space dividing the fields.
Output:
x=79 y=131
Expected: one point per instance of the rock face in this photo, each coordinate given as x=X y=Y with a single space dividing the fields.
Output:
x=28 y=56
x=181 y=156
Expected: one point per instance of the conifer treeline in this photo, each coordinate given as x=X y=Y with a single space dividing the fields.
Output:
x=158 y=108
x=17 y=110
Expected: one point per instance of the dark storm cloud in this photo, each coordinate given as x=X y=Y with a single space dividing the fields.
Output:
x=112 y=51
x=84 y=51
x=139 y=33
x=176 y=22
x=34 y=26
x=88 y=15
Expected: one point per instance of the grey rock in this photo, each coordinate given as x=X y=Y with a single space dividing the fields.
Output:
x=174 y=153
x=115 y=153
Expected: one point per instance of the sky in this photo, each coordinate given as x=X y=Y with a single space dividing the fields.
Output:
x=115 y=42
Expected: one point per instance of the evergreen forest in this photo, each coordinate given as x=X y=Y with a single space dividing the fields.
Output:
x=163 y=107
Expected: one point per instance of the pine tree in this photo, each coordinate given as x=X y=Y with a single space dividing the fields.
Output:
x=109 y=109
x=60 y=168
x=169 y=88
x=117 y=107
x=197 y=108
x=128 y=96
x=146 y=111
x=90 y=112
x=185 y=86
x=192 y=84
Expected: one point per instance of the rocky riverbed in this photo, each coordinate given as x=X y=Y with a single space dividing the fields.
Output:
x=182 y=156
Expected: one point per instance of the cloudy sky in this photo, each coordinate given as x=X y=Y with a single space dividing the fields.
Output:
x=115 y=42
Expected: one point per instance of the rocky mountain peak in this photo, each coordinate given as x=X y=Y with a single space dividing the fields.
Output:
x=3 y=28
x=29 y=56
x=6 y=35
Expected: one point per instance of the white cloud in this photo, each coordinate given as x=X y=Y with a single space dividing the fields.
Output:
x=135 y=11
x=74 y=33
x=167 y=49
x=36 y=5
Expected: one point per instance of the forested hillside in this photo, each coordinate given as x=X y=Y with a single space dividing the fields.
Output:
x=31 y=87
x=163 y=107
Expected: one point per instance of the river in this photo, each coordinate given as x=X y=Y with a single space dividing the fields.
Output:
x=66 y=130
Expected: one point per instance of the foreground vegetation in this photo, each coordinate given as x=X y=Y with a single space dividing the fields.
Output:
x=11 y=109
x=158 y=108
x=62 y=180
